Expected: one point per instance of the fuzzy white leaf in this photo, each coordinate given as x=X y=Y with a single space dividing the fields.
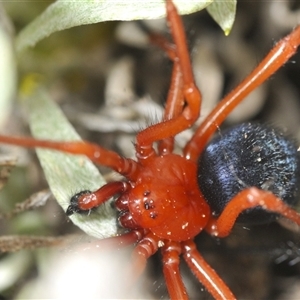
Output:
x=64 y=14
x=8 y=73
x=67 y=174
x=223 y=12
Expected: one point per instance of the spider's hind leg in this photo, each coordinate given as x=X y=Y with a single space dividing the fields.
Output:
x=249 y=198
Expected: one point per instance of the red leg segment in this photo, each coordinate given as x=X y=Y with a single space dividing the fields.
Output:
x=97 y=154
x=116 y=242
x=279 y=55
x=173 y=107
x=176 y=288
x=144 y=249
x=249 y=198
x=91 y=200
x=204 y=272
x=175 y=99
x=164 y=44
x=191 y=93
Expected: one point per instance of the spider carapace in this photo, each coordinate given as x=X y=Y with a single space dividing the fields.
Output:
x=167 y=199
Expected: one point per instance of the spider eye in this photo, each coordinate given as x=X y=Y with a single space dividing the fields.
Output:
x=144 y=208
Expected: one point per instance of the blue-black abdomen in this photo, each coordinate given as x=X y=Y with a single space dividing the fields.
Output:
x=248 y=155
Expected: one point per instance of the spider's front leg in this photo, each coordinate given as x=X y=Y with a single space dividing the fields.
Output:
x=175 y=100
x=249 y=198
x=101 y=156
x=180 y=88
x=275 y=59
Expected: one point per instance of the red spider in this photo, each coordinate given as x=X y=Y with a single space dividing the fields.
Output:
x=160 y=202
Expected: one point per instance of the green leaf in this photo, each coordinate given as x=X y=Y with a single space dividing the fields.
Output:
x=66 y=174
x=223 y=12
x=66 y=14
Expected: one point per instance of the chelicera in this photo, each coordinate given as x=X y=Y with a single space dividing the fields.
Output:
x=167 y=199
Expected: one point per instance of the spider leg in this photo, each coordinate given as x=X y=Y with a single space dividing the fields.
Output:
x=249 y=198
x=192 y=96
x=173 y=108
x=171 y=251
x=278 y=56
x=164 y=44
x=96 y=153
x=86 y=200
x=175 y=99
x=205 y=273
x=145 y=248
x=115 y=242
